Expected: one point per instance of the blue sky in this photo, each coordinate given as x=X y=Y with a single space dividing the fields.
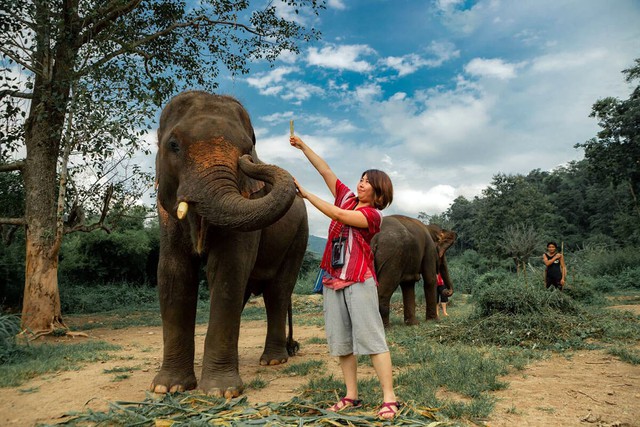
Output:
x=442 y=94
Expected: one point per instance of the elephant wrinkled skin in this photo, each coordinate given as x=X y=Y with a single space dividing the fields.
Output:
x=240 y=216
x=404 y=250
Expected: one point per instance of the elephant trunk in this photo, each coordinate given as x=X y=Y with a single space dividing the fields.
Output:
x=221 y=203
x=443 y=269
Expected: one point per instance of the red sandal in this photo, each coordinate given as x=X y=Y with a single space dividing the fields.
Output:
x=345 y=403
x=387 y=408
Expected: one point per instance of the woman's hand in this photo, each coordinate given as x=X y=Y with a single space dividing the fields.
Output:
x=301 y=191
x=296 y=142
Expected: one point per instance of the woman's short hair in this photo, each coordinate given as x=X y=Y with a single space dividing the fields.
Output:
x=552 y=243
x=382 y=187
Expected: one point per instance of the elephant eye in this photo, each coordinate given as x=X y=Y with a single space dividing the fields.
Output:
x=173 y=145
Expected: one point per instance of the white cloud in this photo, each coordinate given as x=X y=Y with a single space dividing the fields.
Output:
x=412 y=200
x=273 y=83
x=336 y=4
x=342 y=57
x=566 y=60
x=265 y=80
x=496 y=68
x=412 y=62
x=367 y=92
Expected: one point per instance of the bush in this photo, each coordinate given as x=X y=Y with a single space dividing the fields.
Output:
x=585 y=291
x=598 y=261
x=515 y=299
x=80 y=299
x=9 y=327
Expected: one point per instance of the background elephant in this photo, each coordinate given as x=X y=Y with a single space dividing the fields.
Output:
x=214 y=206
x=404 y=250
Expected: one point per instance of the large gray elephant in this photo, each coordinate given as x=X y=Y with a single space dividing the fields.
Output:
x=219 y=204
x=404 y=250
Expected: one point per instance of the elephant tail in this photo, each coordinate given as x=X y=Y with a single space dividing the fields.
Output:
x=292 y=345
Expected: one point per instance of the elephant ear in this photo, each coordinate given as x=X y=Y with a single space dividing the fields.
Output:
x=249 y=186
x=445 y=240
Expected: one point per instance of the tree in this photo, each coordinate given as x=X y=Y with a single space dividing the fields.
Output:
x=520 y=241
x=511 y=200
x=614 y=154
x=93 y=73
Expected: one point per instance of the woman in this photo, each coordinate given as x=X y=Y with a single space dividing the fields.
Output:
x=443 y=299
x=352 y=320
x=556 y=270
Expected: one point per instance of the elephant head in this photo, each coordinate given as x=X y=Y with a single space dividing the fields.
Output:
x=443 y=239
x=207 y=169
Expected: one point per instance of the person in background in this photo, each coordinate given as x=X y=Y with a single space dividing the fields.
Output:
x=352 y=319
x=443 y=299
x=556 y=270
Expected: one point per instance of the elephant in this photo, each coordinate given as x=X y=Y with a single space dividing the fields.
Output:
x=220 y=205
x=405 y=249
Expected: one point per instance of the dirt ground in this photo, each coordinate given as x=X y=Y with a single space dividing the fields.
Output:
x=586 y=388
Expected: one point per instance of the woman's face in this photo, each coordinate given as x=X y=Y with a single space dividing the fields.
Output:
x=365 y=191
x=551 y=249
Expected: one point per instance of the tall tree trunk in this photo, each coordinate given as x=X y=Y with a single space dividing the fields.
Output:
x=41 y=311
x=41 y=305
x=44 y=126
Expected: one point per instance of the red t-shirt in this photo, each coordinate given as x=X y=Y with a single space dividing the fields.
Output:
x=358 y=260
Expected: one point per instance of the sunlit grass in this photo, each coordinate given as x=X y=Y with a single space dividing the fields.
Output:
x=34 y=360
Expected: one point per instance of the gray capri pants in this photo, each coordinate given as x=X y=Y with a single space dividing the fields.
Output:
x=352 y=320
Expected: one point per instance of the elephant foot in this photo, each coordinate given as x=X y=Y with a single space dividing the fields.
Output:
x=167 y=381
x=227 y=386
x=274 y=358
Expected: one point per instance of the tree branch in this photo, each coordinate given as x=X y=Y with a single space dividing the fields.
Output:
x=103 y=19
x=13 y=221
x=15 y=94
x=133 y=45
x=100 y=224
x=15 y=166
x=18 y=61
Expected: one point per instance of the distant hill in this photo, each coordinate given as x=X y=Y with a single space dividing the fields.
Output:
x=316 y=244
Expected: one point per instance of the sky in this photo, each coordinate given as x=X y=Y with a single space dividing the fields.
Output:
x=440 y=94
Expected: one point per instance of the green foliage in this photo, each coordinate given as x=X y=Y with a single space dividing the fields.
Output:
x=12 y=270
x=310 y=264
x=118 y=256
x=9 y=327
x=512 y=298
x=599 y=261
x=627 y=355
x=613 y=155
x=80 y=299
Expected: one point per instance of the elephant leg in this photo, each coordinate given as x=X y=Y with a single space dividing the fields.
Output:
x=277 y=297
x=386 y=287
x=409 y=302
x=228 y=268
x=431 y=296
x=178 y=291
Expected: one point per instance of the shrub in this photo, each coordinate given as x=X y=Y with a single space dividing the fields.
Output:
x=598 y=260
x=80 y=299
x=9 y=327
x=510 y=297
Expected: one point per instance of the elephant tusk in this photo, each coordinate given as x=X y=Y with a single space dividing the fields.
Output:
x=183 y=207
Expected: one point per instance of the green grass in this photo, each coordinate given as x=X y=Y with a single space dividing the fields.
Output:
x=304 y=368
x=316 y=340
x=34 y=360
x=626 y=355
x=257 y=384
